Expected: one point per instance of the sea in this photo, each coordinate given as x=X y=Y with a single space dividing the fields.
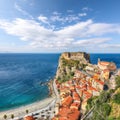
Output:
x=21 y=75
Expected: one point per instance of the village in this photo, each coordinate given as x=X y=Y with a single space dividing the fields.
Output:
x=74 y=93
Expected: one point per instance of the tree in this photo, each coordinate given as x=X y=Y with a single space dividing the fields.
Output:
x=12 y=116
x=104 y=97
x=89 y=103
x=27 y=111
x=105 y=109
x=5 y=116
x=116 y=98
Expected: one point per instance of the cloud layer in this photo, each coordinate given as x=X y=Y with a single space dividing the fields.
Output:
x=82 y=34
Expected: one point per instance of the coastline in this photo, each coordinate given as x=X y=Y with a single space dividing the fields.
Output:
x=21 y=111
x=33 y=107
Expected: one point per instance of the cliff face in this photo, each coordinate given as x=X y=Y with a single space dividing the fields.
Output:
x=69 y=62
x=81 y=56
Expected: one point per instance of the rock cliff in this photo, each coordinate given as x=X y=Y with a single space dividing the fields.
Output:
x=69 y=62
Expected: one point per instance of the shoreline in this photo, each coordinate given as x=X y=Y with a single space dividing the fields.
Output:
x=33 y=107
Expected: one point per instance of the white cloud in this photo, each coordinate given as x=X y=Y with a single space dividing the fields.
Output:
x=43 y=19
x=56 y=13
x=82 y=34
x=82 y=14
x=57 y=18
x=86 y=9
x=69 y=18
x=17 y=7
x=106 y=45
x=92 y=41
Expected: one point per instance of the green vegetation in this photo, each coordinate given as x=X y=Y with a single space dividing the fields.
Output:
x=70 y=63
x=117 y=79
x=113 y=118
x=27 y=111
x=116 y=98
x=106 y=106
x=12 y=116
x=101 y=105
x=65 y=77
x=67 y=69
x=5 y=116
x=73 y=63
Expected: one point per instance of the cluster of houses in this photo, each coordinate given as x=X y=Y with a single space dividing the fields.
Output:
x=75 y=93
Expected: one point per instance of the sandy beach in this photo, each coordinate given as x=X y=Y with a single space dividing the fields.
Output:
x=34 y=107
x=21 y=111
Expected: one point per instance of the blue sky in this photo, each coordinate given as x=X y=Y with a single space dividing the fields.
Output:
x=50 y=26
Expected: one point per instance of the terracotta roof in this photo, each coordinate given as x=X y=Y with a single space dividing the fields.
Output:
x=63 y=118
x=92 y=88
x=63 y=89
x=87 y=94
x=68 y=114
x=72 y=87
x=100 y=82
x=104 y=63
x=75 y=105
x=106 y=70
x=63 y=111
x=67 y=101
x=84 y=87
x=74 y=115
x=78 y=87
x=75 y=94
x=29 y=118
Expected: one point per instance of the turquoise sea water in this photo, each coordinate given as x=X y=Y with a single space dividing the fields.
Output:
x=20 y=75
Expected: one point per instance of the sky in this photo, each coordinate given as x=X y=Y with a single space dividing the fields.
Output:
x=55 y=26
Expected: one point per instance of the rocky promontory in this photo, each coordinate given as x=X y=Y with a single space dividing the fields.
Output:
x=69 y=62
x=84 y=88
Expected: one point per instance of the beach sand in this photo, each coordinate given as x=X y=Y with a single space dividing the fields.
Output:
x=21 y=111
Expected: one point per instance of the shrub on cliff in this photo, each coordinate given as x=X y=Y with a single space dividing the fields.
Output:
x=117 y=79
x=104 y=96
x=116 y=98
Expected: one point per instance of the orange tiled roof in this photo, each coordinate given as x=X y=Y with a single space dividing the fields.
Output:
x=104 y=63
x=92 y=88
x=87 y=93
x=84 y=87
x=67 y=101
x=99 y=81
x=63 y=111
x=106 y=70
x=29 y=118
x=75 y=105
x=63 y=118
x=68 y=114
x=78 y=87
x=64 y=89
x=75 y=94
x=72 y=87
x=74 y=115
